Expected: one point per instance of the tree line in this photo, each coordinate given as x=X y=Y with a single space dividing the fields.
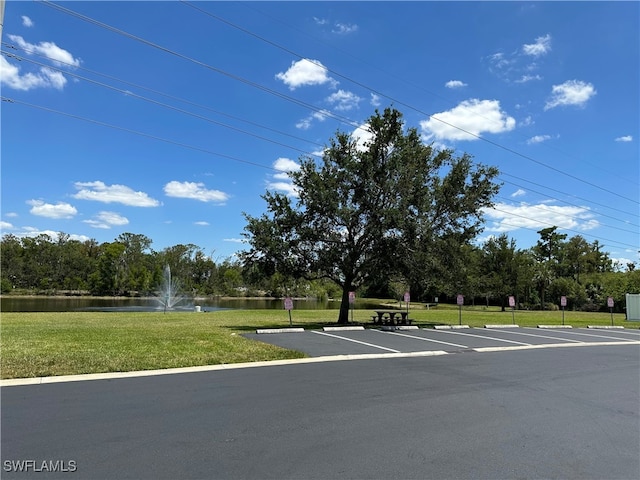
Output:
x=378 y=217
x=488 y=274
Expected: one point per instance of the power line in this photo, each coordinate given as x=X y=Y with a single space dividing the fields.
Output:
x=151 y=136
x=161 y=104
x=142 y=87
x=401 y=79
x=296 y=101
x=129 y=93
x=399 y=102
x=135 y=132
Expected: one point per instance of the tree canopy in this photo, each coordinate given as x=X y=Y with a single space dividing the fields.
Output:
x=388 y=206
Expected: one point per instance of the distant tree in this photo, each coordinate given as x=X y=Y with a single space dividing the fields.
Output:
x=370 y=211
x=499 y=268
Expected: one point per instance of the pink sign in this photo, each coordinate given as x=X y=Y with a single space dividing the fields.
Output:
x=288 y=303
x=563 y=301
x=407 y=297
x=460 y=300
x=352 y=297
x=610 y=302
x=512 y=301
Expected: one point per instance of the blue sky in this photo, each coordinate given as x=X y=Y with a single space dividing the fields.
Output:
x=170 y=119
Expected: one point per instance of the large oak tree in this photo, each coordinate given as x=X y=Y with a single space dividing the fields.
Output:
x=389 y=205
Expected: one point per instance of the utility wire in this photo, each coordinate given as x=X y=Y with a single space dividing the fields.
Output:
x=129 y=93
x=161 y=104
x=399 y=102
x=237 y=78
x=250 y=6
x=135 y=132
x=229 y=157
x=142 y=87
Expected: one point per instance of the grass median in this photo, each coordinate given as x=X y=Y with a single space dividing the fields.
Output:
x=67 y=343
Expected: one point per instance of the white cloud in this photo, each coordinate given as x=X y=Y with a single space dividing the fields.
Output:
x=59 y=210
x=5 y=225
x=307 y=122
x=53 y=52
x=26 y=21
x=345 y=28
x=471 y=117
x=234 y=240
x=283 y=164
x=201 y=224
x=626 y=138
x=528 y=78
x=455 y=84
x=538 y=139
x=194 y=191
x=506 y=217
x=518 y=193
x=305 y=72
x=320 y=21
x=375 y=100
x=344 y=100
x=34 y=232
x=286 y=187
x=541 y=46
x=362 y=135
x=571 y=92
x=99 y=192
x=11 y=77
x=282 y=181
x=106 y=220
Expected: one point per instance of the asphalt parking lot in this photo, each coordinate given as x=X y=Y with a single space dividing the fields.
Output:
x=374 y=341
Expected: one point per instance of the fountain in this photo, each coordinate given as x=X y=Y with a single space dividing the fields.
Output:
x=169 y=296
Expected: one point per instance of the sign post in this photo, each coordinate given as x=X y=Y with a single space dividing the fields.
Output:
x=512 y=304
x=563 y=303
x=407 y=299
x=288 y=305
x=352 y=302
x=610 y=305
x=460 y=302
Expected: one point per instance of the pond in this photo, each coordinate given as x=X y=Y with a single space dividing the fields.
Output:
x=70 y=304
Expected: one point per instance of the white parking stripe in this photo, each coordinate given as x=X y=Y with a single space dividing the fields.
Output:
x=482 y=336
x=564 y=332
x=423 y=339
x=356 y=341
x=535 y=335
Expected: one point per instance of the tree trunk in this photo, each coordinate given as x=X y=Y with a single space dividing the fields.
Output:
x=344 y=305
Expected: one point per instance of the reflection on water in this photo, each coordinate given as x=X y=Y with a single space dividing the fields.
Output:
x=69 y=304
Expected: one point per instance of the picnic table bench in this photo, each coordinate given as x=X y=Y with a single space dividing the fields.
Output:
x=391 y=317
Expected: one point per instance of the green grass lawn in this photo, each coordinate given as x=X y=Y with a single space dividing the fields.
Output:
x=45 y=344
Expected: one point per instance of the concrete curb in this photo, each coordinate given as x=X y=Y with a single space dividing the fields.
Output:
x=606 y=327
x=509 y=325
x=407 y=327
x=280 y=330
x=15 y=382
x=450 y=327
x=555 y=326
x=341 y=329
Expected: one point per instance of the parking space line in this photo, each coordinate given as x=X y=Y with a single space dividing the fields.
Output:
x=355 y=341
x=482 y=336
x=423 y=339
x=597 y=336
x=534 y=335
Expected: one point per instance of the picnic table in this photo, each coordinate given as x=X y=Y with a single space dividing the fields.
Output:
x=391 y=317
